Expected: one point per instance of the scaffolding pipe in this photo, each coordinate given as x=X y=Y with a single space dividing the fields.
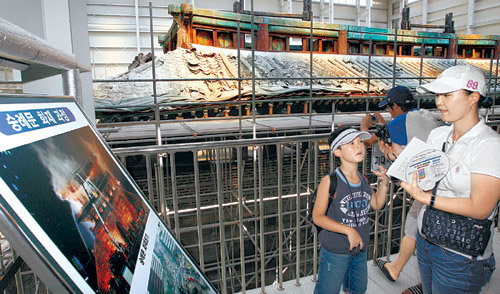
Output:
x=21 y=46
x=72 y=85
x=240 y=220
x=297 y=217
x=196 y=171
x=160 y=183
x=222 y=238
x=137 y=27
x=389 y=226
x=262 y=245
x=279 y=149
x=315 y=236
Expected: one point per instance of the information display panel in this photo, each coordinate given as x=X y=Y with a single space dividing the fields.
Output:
x=78 y=209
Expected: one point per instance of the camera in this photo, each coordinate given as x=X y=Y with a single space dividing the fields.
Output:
x=373 y=118
x=383 y=134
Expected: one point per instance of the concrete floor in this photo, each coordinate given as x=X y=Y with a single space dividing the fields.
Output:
x=377 y=283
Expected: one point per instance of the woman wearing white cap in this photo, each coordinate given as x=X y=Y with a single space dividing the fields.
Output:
x=454 y=245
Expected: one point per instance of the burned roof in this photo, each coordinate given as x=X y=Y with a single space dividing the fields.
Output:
x=271 y=72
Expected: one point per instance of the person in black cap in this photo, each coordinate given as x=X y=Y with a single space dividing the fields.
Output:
x=407 y=122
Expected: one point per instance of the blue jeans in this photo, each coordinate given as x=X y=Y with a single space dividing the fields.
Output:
x=443 y=271
x=336 y=270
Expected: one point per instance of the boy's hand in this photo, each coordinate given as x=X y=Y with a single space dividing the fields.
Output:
x=354 y=239
x=381 y=175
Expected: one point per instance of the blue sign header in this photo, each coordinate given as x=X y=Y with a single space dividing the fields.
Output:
x=15 y=122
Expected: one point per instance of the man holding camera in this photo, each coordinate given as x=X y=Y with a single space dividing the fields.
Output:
x=407 y=122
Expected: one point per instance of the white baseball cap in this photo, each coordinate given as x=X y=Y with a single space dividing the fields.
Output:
x=458 y=77
x=347 y=136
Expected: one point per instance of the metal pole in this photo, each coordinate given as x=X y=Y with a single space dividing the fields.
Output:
x=369 y=73
x=175 y=199
x=422 y=53
x=311 y=48
x=333 y=115
x=198 y=208
x=149 y=176
x=297 y=219
x=261 y=223
x=395 y=54
x=239 y=72
x=254 y=108
x=403 y=219
x=153 y=69
x=161 y=189
x=496 y=82
x=375 y=236
x=123 y=160
x=489 y=83
x=256 y=212
x=315 y=237
x=240 y=219
x=456 y=50
x=72 y=85
x=17 y=276
x=137 y=27
x=389 y=225
x=279 y=149
x=222 y=238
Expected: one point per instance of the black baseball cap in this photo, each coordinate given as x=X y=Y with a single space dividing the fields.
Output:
x=400 y=95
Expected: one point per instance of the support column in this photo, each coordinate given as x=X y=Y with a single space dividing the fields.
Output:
x=72 y=85
x=332 y=12
x=497 y=49
x=137 y=31
x=263 y=37
x=470 y=16
x=358 y=12
x=369 y=13
x=343 y=45
x=452 y=49
x=185 y=23
x=321 y=10
x=424 y=12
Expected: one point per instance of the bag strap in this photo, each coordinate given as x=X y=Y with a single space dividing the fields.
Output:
x=333 y=185
x=434 y=190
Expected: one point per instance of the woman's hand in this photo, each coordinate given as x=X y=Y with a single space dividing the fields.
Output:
x=354 y=239
x=381 y=175
x=390 y=151
x=414 y=190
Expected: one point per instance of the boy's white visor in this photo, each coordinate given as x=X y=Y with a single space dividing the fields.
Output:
x=347 y=136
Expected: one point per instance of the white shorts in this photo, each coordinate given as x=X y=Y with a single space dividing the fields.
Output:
x=411 y=229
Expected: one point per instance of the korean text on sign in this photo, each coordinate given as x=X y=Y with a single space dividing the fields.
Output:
x=15 y=122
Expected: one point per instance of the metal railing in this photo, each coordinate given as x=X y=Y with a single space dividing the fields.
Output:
x=240 y=207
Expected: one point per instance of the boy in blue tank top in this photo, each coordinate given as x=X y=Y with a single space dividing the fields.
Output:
x=345 y=238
